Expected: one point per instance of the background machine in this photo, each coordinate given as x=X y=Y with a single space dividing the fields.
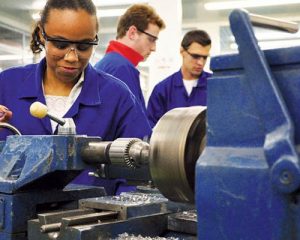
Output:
x=230 y=171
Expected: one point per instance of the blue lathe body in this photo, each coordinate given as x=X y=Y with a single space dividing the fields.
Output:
x=34 y=171
x=247 y=178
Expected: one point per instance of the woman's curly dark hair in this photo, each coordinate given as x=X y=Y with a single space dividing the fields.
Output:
x=36 y=44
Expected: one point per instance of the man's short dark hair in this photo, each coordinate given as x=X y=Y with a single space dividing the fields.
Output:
x=198 y=36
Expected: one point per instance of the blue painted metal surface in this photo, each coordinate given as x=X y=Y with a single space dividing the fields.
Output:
x=248 y=177
x=33 y=173
x=24 y=160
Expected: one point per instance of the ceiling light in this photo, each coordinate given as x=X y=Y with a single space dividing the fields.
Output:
x=102 y=3
x=39 y=4
x=36 y=16
x=100 y=13
x=247 y=4
x=110 y=12
x=10 y=57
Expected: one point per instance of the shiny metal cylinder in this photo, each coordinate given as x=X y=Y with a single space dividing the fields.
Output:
x=267 y=22
x=96 y=152
x=177 y=141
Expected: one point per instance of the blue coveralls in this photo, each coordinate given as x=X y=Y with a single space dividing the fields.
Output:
x=120 y=67
x=171 y=93
x=104 y=108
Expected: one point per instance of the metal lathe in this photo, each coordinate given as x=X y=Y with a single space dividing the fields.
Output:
x=230 y=170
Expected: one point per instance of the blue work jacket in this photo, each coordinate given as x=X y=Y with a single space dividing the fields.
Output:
x=120 y=67
x=105 y=107
x=171 y=93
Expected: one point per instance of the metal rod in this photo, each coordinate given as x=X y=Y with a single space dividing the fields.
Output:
x=262 y=21
x=59 y=120
x=78 y=220
x=10 y=127
x=53 y=227
x=88 y=218
x=96 y=152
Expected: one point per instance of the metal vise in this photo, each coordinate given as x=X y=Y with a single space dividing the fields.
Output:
x=34 y=171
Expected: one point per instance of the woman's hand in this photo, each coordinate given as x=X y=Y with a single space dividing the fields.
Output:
x=5 y=114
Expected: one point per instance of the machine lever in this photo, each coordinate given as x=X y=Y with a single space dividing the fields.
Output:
x=66 y=126
x=10 y=127
x=40 y=110
x=78 y=220
x=267 y=22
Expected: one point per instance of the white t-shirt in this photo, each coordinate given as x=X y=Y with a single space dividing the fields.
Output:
x=189 y=85
x=59 y=105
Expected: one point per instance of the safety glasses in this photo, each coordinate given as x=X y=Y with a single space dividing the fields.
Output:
x=60 y=47
x=195 y=56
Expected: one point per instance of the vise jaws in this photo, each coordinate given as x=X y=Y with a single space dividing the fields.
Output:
x=34 y=171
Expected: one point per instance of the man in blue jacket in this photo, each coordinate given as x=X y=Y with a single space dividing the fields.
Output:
x=137 y=33
x=187 y=87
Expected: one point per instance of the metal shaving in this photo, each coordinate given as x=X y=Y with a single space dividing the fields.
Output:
x=137 y=198
x=126 y=236
x=192 y=214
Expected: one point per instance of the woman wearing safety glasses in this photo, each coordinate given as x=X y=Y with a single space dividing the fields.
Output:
x=99 y=104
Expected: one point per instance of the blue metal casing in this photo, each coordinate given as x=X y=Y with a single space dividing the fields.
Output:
x=247 y=178
x=34 y=170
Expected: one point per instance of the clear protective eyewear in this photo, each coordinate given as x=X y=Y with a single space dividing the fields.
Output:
x=152 y=38
x=61 y=47
x=196 y=56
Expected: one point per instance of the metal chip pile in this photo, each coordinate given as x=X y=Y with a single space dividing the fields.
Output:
x=126 y=236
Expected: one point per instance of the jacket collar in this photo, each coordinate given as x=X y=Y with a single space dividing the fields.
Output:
x=202 y=80
x=133 y=56
x=90 y=89
x=32 y=86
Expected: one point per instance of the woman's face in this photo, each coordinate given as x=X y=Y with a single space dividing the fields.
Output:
x=67 y=60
